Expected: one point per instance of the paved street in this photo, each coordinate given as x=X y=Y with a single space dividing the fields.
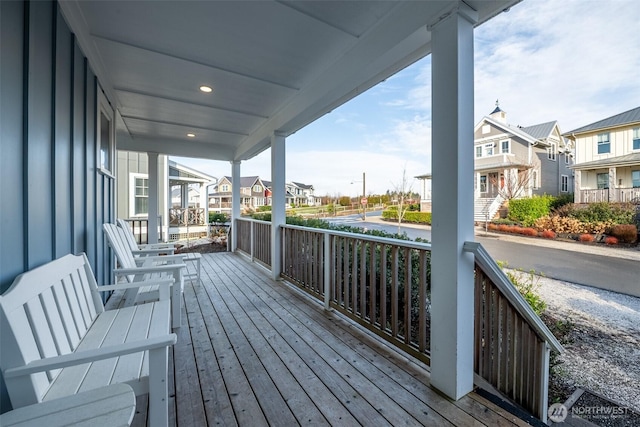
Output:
x=613 y=269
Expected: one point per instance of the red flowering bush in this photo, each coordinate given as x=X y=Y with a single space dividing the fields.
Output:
x=610 y=240
x=530 y=232
x=586 y=238
x=548 y=234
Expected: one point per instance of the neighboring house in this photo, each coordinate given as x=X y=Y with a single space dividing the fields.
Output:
x=425 y=194
x=302 y=194
x=255 y=192
x=607 y=166
x=182 y=199
x=515 y=161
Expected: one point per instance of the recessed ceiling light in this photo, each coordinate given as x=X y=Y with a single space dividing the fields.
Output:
x=206 y=89
x=191 y=135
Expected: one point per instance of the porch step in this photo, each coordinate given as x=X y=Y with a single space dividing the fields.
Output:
x=480 y=208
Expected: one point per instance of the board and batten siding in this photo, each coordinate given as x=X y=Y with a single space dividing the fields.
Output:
x=54 y=197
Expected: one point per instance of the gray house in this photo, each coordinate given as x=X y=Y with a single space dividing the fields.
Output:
x=515 y=161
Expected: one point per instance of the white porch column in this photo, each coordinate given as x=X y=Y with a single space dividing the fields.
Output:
x=613 y=185
x=152 y=226
x=577 y=183
x=235 y=203
x=278 y=210
x=451 y=267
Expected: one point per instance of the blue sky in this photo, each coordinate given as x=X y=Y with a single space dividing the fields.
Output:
x=575 y=61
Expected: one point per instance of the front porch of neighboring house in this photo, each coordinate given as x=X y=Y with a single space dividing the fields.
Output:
x=189 y=211
x=445 y=304
x=499 y=182
x=610 y=180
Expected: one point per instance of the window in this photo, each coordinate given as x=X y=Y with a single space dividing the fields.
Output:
x=636 y=139
x=479 y=151
x=504 y=147
x=105 y=136
x=488 y=149
x=551 y=152
x=564 y=185
x=257 y=189
x=604 y=146
x=138 y=194
x=603 y=180
x=566 y=158
x=486 y=129
x=225 y=188
x=483 y=183
x=635 y=178
x=534 y=178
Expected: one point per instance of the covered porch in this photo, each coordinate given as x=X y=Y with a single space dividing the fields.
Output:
x=257 y=352
x=90 y=77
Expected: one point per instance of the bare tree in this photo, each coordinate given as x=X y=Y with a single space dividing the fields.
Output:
x=403 y=190
x=515 y=184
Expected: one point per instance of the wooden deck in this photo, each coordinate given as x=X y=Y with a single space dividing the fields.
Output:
x=254 y=352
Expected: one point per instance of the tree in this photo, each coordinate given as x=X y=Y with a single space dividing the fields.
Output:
x=514 y=184
x=403 y=191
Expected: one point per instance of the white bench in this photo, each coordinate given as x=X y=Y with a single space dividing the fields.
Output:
x=145 y=267
x=110 y=406
x=57 y=339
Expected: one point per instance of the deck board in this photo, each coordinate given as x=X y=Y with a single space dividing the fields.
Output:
x=254 y=352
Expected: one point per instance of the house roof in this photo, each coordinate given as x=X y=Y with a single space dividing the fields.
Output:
x=181 y=173
x=541 y=131
x=245 y=181
x=275 y=66
x=303 y=186
x=628 y=117
x=625 y=160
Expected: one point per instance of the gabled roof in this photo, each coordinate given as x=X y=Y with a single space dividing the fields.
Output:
x=628 y=117
x=180 y=172
x=245 y=181
x=541 y=131
x=625 y=160
x=303 y=186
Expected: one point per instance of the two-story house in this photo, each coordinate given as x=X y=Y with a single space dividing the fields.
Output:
x=253 y=194
x=515 y=161
x=302 y=194
x=607 y=166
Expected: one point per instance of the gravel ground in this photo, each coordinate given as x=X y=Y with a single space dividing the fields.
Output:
x=603 y=349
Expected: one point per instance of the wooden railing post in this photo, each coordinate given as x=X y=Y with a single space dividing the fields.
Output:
x=327 y=257
x=252 y=227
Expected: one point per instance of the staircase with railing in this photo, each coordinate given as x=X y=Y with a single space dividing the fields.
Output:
x=486 y=208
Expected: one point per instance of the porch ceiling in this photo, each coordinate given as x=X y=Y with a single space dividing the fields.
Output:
x=274 y=66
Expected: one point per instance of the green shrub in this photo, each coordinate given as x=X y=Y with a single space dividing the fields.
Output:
x=562 y=200
x=262 y=216
x=526 y=211
x=264 y=208
x=409 y=216
x=217 y=218
x=527 y=283
x=618 y=213
x=626 y=233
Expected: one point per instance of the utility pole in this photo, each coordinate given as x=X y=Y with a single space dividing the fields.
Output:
x=364 y=196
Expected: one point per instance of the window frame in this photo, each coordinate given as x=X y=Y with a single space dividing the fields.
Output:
x=508 y=141
x=551 y=152
x=479 y=151
x=564 y=183
x=224 y=188
x=105 y=150
x=483 y=182
x=257 y=188
x=635 y=139
x=606 y=182
x=635 y=183
x=602 y=143
x=133 y=176
x=488 y=149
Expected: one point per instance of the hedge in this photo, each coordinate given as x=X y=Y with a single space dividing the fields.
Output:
x=526 y=211
x=410 y=217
